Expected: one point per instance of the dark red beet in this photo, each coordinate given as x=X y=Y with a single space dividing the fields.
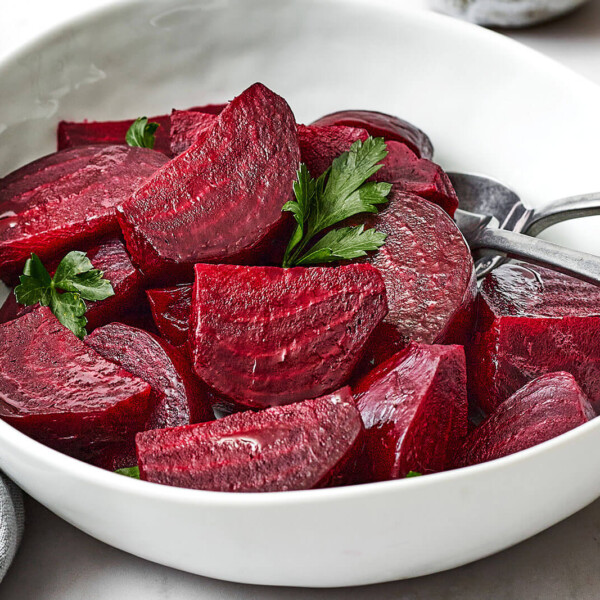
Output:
x=111 y=258
x=171 y=309
x=224 y=194
x=414 y=407
x=545 y=408
x=419 y=176
x=297 y=447
x=61 y=392
x=382 y=125
x=186 y=127
x=429 y=277
x=534 y=321
x=178 y=398
x=74 y=210
x=264 y=336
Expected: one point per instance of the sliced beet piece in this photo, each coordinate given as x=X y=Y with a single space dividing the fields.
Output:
x=429 y=276
x=264 y=336
x=224 y=194
x=186 y=127
x=74 y=210
x=419 y=176
x=111 y=258
x=534 y=321
x=178 y=398
x=297 y=447
x=414 y=407
x=171 y=309
x=543 y=409
x=380 y=124
x=61 y=392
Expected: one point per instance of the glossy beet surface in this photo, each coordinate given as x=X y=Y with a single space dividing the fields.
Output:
x=61 y=392
x=428 y=272
x=264 y=336
x=178 y=398
x=382 y=125
x=297 y=447
x=224 y=194
x=186 y=127
x=534 y=321
x=545 y=408
x=171 y=309
x=72 y=210
x=414 y=407
x=111 y=258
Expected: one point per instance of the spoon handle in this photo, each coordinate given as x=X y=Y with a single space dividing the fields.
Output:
x=572 y=262
x=586 y=205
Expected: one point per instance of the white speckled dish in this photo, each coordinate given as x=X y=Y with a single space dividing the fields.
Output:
x=489 y=105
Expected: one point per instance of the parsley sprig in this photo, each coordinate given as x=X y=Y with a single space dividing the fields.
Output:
x=133 y=472
x=341 y=192
x=77 y=279
x=142 y=133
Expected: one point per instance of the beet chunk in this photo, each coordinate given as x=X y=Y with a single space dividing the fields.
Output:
x=534 y=321
x=379 y=124
x=111 y=258
x=264 y=336
x=187 y=126
x=61 y=392
x=224 y=194
x=545 y=408
x=414 y=407
x=171 y=309
x=297 y=447
x=428 y=273
x=74 y=210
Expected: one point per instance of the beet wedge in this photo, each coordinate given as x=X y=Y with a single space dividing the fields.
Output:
x=61 y=392
x=178 y=398
x=187 y=126
x=264 y=336
x=171 y=309
x=379 y=124
x=223 y=195
x=543 y=409
x=428 y=273
x=302 y=446
x=72 y=210
x=533 y=321
x=111 y=258
x=414 y=407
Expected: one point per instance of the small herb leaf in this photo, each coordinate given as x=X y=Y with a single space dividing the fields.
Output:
x=413 y=474
x=142 y=133
x=69 y=309
x=133 y=472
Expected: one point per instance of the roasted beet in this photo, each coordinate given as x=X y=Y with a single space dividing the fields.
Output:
x=297 y=447
x=419 y=176
x=382 y=125
x=224 y=194
x=429 y=277
x=545 y=408
x=264 y=336
x=61 y=392
x=534 y=321
x=186 y=127
x=171 y=309
x=111 y=258
x=74 y=210
x=414 y=407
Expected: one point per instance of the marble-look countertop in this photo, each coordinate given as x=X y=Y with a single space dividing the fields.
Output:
x=58 y=562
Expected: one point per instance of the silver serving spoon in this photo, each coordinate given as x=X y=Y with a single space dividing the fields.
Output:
x=486 y=196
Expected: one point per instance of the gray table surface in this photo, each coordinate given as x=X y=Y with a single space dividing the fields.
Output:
x=58 y=562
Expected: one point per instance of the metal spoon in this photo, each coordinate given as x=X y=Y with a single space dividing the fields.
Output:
x=486 y=196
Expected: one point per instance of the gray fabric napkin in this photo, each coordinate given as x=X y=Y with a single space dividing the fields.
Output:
x=11 y=522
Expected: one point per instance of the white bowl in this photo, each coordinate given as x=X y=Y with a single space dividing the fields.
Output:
x=489 y=105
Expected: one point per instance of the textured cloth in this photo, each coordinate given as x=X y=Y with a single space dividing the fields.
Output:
x=11 y=522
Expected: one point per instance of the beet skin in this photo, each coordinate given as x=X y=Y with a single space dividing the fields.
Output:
x=545 y=408
x=302 y=446
x=264 y=336
x=414 y=407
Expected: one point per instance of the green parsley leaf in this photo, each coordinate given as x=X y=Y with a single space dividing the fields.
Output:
x=77 y=279
x=341 y=192
x=413 y=474
x=141 y=133
x=133 y=472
